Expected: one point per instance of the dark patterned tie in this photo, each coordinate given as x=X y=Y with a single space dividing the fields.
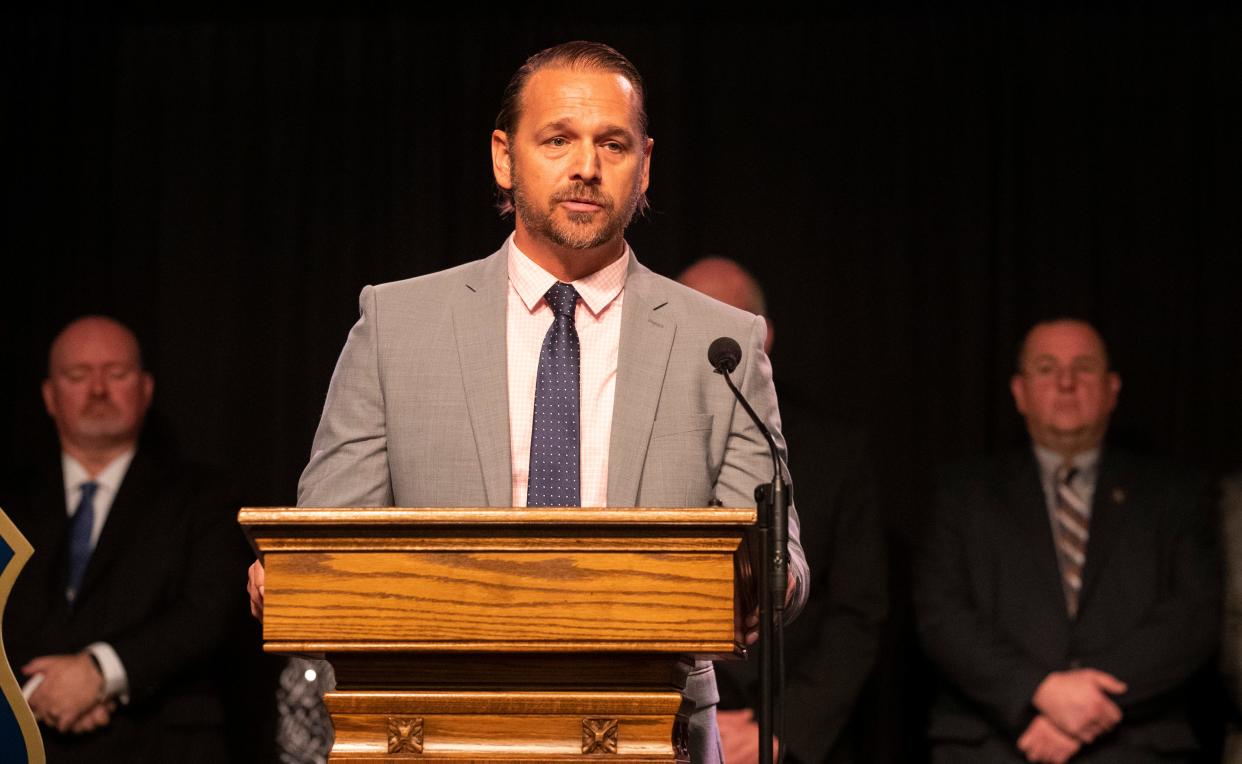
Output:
x=1073 y=520
x=553 y=476
x=80 y=539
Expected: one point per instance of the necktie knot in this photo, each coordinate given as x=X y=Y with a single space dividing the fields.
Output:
x=562 y=298
x=88 y=490
x=1066 y=473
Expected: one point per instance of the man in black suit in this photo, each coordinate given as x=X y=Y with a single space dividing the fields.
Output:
x=831 y=649
x=1067 y=594
x=117 y=619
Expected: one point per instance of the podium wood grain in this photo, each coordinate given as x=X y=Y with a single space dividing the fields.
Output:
x=504 y=635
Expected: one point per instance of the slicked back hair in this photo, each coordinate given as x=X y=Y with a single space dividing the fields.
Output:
x=579 y=54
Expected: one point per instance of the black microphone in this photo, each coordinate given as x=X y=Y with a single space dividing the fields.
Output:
x=772 y=503
x=724 y=355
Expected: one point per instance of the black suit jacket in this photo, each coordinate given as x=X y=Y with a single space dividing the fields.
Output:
x=831 y=649
x=161 y=587
x=992 y=614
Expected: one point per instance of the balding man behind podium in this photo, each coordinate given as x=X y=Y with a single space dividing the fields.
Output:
x=117 y=619
x=833 y=646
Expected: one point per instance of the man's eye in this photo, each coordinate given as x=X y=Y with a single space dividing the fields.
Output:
x=557 y=142
x=614 y=147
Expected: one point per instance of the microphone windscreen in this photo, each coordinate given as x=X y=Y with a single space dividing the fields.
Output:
x=724 y=353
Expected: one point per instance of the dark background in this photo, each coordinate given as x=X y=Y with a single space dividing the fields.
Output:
x=913 y=186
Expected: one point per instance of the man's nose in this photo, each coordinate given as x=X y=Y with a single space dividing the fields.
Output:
x=99 y=384
x=586 y=163
x=1066 y=377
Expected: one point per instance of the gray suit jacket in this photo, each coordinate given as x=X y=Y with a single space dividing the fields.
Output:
x=417 y=413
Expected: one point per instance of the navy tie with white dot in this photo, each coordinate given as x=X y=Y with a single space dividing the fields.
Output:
x=554 y=455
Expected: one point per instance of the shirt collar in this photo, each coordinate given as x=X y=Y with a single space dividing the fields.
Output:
x=1050 y=461
x=110 y=478
x=597 y=290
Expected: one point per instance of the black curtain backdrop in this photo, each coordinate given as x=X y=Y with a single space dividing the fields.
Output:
x=913 y=188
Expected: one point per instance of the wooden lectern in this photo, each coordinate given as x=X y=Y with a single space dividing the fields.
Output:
x=505 y=634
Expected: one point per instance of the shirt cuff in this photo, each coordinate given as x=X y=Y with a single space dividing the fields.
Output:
x=116 y=681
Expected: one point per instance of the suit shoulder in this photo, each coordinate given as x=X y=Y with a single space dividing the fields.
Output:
x=1154 y=468
x=699 y=318
x=696 y=305
x=1144 y=475
x=982 y=483
x=186 y=482
x=433 y=286
x=432 y=280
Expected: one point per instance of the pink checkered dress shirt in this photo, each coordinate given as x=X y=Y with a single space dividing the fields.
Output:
x=598 y=321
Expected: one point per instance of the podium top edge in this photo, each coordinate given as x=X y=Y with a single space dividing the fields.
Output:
x=457 y=516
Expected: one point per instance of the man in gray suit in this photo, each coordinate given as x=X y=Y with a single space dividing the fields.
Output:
x=557 y=371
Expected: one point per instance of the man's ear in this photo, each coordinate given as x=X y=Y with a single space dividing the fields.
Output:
x=49 y=398
x=1114 y=388
x=646 y=181
x=1017 y=386
x=502 y=160
x=148 y=389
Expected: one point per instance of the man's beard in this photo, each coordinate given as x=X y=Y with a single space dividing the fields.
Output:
x=580 y=230
x=101 y=423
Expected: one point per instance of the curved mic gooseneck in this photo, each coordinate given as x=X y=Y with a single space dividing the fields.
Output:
x=772 y=502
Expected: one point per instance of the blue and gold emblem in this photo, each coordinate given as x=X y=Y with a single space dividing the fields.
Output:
x=19 y=732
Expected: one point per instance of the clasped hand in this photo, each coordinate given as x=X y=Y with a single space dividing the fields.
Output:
x=71 y=696
x=1075 y=708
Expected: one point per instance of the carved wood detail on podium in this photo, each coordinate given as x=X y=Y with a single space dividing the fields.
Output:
x=599 y=735
x=405 y=735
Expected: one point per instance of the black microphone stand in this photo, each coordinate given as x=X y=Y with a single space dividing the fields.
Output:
x=772 y=531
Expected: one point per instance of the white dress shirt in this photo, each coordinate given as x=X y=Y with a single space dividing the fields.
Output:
x=1086 y=466
x=597 y=319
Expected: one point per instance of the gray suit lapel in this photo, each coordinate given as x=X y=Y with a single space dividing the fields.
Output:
x=479 y=317
x=647 y=331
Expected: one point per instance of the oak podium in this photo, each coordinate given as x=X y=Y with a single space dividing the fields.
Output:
x=524 y=634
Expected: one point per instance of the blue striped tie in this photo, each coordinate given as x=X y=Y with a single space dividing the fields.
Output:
x=80 y=538
x=554 y=457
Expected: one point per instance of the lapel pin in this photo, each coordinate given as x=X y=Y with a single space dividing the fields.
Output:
x=1119 y=495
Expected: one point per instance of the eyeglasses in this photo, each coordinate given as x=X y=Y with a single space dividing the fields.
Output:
x=1048 y=368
